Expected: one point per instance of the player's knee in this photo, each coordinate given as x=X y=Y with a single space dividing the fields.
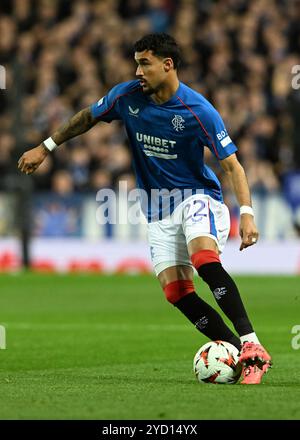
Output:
x=176 y=290
x=204 y=256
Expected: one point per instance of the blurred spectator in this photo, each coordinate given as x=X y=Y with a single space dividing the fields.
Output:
x=42 y=176
x=56 y=218
x=100 y=178
x=62 y=183
x=7 y=146
x=79 y=167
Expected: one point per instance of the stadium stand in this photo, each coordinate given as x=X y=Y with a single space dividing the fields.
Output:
x=61 y=56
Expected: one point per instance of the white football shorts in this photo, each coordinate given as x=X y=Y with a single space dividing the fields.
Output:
x=197 y=216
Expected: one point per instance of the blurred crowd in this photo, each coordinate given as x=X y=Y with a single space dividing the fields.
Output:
x=62 y=55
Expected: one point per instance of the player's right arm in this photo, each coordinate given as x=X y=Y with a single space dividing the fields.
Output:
x=78 y=124
x=106 y=109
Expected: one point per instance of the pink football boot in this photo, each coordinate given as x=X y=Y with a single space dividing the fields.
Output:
x=255 y=361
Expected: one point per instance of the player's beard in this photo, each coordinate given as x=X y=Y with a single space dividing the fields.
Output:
x=148 y=90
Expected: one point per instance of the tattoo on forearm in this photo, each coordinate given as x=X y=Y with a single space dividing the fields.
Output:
x=78 y=124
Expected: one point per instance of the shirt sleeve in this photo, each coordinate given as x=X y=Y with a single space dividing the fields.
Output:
x=216 y=136
x=107 y=108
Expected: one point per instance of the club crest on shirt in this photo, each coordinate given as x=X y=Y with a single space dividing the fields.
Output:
x=178 y=122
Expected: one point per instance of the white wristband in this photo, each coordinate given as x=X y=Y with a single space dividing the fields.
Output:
x=246 y=210
x=50 y=144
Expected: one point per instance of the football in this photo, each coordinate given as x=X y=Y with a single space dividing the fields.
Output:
x=217 y=362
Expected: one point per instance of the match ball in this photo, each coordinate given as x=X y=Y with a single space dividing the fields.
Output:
x=217 y=362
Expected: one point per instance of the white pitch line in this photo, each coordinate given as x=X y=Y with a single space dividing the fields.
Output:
x=112 y=327
x=2 y=337
x=96 y=326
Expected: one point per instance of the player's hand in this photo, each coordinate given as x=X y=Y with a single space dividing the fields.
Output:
x=248 y=231
x=32 y=159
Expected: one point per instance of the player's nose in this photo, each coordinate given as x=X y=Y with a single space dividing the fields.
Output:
x=139 y=71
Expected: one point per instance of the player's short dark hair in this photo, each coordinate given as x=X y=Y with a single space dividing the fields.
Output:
x=161 y=44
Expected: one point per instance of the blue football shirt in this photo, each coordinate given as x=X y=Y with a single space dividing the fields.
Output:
x=167 y=142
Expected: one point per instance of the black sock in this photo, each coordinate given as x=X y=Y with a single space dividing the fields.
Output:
x=206 y=319
x=227 y=296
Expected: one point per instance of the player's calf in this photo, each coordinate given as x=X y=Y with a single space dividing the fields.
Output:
x=209 y=267
x=181 y=294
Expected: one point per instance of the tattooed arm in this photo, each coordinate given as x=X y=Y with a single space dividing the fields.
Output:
x=78 y=124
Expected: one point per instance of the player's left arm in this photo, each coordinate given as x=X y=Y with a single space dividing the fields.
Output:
x=236 y=174
x=219 y=142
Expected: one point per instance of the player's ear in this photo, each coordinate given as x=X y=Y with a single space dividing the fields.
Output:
x=168 y=64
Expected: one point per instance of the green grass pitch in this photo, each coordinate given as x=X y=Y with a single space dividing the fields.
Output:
x=111 y=347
